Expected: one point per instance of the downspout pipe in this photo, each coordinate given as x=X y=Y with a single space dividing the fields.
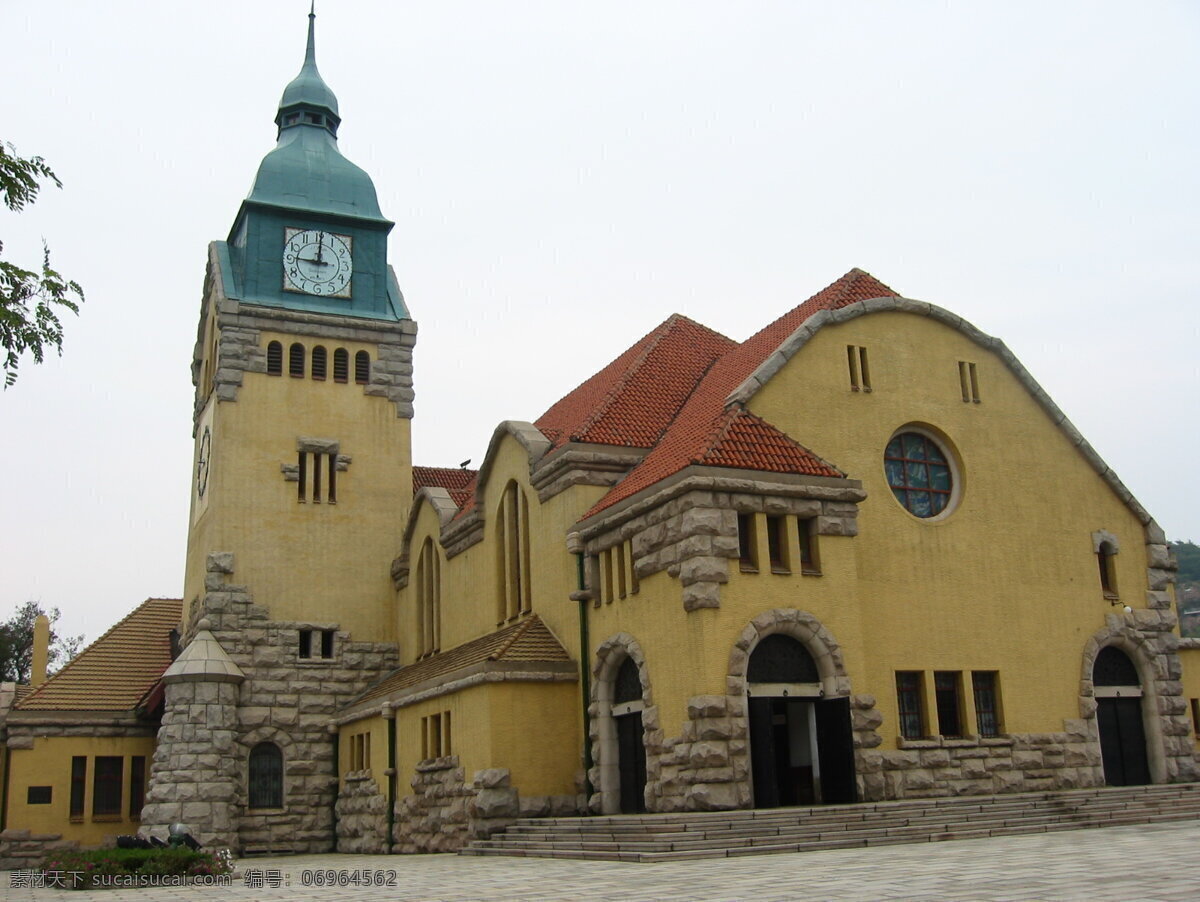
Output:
x=389 y=720
x=583 y=596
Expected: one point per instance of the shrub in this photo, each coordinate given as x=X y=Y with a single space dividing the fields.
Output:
x=179 y=862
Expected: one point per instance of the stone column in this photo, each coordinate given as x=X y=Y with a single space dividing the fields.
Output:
x=196 y=774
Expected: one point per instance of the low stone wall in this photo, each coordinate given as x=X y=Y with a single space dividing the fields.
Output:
x=1019 y=762
x=23 y=850
x=445 y=812
x=361 y=815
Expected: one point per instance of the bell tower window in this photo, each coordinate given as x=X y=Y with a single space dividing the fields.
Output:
x=274 y=359
x=318 y=363
x=362 y=367
x=341 y=365
x=296 y=360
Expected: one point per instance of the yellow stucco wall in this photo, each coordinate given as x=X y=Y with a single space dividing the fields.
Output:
x=1006 y=582
x=48 y=763
x=531 y=728
x=305 y=561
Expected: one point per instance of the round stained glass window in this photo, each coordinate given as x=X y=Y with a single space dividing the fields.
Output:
x=919 y=474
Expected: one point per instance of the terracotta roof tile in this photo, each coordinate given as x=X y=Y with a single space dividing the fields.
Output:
x=702 y=421
x=528 y=640
x=458 y=481
x=632 y=401
x=749 y=442
x=116 y=671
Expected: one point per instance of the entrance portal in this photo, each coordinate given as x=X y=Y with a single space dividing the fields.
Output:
x=1118 y=693
x=631 y=747
x=801 y=744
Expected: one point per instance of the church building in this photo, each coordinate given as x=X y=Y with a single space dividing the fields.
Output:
x=859 y=556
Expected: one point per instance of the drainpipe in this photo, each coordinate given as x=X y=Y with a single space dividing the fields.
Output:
x=389 y=719
x=337 y=782
x=584 y=596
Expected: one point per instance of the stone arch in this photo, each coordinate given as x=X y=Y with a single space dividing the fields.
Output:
x=610 y=655
x=1164 y=710
x=826 y=653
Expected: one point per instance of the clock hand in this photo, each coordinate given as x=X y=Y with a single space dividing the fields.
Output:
x=316 y=261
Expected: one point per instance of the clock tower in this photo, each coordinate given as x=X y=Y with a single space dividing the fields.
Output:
x=301 y=483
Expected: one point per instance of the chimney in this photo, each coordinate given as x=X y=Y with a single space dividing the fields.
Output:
x=41 y=650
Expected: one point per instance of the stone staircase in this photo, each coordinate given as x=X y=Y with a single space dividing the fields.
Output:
x=720 y=834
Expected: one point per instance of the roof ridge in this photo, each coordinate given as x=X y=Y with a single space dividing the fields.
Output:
x=90 y=647
x=517 y=634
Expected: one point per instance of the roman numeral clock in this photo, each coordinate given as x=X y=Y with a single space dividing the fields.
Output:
x=317 y=262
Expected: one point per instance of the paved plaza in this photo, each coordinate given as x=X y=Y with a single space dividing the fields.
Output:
x=1157 y=862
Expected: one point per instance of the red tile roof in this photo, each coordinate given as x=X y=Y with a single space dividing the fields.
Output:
x=116 y=671
x=632 y=401
x=458 y=481
x=705 y=433
x=527 y=640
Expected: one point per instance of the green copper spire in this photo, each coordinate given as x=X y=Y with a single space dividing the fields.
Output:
x=308 y=93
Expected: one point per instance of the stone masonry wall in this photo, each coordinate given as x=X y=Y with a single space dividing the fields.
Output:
x=23 y=850
x=445 y=812
x=361 y=815
x=283 y=700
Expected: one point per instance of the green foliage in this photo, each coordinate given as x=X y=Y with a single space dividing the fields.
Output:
x=179 y=862
x=1188 y=555
x=29 y=300
x=16 y=643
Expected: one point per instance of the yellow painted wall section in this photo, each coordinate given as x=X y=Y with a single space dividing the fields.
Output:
x=309 y=562
x=537 y=735
x=470 y=734
x=1190 y=659
x=377 y=728
x=48 y=763
x=1007 y=581
x=470 y=582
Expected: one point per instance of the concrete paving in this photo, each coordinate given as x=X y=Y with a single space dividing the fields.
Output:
x=1156 y=863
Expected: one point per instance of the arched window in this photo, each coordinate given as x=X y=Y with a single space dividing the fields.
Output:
x=362 y=367
x=781 y=659
x=265 y=783
x=429 y=598
x=318 y=363
x=296 y=360
x=341 y=365
x=628 y=685
x=512 y=558
x=274 y=359
x=1113 y=668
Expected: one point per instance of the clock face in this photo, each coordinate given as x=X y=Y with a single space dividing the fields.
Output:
x=202 y=461
x=317 y=263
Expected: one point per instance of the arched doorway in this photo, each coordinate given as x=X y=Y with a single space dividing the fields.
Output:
x=801 y=743
x=627 y=708
x=1118 y=692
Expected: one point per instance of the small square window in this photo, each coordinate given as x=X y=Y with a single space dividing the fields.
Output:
x=39 y=795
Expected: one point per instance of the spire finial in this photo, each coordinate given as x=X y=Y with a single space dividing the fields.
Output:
x=310 y=53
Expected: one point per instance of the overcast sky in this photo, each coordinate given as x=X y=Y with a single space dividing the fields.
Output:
x=565 y=175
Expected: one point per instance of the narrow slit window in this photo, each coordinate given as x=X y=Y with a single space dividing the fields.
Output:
x=319 y=361
x=446 y=733
x=1108 y=582
x=274 y=359
x=1196 y=716
x=106 y=793
x=305 y=650
x=810 y=562
x=302 y=477
x=362 y=367
x=331 y=495
x=864 y=369
x=78 y=784
x=316 y=479
x=852 y=361
x=341 y=365
x=776 y=544
x=137 y=785
x=946 y=690
x=987 y=710
x=296 y=361
x=968 y=380
x=908 y=698
x=327 y=644
x=619 y=553
x=634 y=585
x=747 y=550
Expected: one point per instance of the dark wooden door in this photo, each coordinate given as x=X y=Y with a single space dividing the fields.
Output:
x=762 y=753
x=631 y=763
x=1123 y=741
x=835 y=751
